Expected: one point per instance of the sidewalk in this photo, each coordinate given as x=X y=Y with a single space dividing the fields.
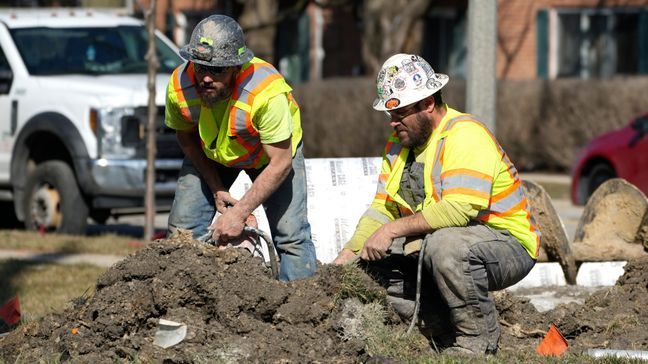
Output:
x=100 y=260
x=547 y=178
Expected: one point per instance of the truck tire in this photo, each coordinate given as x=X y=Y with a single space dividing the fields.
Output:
x=53 y=201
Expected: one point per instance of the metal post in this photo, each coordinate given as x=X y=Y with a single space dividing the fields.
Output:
x=481 y=83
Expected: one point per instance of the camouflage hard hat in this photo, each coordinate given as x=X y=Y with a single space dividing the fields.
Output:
x=217 y=41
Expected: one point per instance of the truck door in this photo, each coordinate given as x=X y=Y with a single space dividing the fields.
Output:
x=7 y=117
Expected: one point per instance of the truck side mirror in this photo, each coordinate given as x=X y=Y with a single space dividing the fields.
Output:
x=6 y=78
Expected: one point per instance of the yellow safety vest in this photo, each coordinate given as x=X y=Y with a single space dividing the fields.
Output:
x=507 y=208
x=234 y=140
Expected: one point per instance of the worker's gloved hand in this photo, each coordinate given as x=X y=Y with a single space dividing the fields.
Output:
x=223 y=200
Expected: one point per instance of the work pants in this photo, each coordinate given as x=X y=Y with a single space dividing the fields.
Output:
x=460 y=266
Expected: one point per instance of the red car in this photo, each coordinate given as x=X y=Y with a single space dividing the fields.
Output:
x=620 y=153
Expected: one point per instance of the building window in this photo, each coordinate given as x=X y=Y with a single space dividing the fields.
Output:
x=595 y=43
x=444 y=41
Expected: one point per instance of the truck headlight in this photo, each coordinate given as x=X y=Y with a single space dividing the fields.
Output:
x=111 y=128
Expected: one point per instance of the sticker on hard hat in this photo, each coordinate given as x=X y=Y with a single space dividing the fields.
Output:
x=417 y=79
x=203 y=52
x=208 y=41
x=392 y=103
x=399 y=84
x=409 y=66
x=433 y=84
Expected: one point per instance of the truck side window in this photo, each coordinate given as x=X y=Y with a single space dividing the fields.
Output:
x=6 y=76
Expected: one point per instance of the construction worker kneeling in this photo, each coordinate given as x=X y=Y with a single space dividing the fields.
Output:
x=448 y=189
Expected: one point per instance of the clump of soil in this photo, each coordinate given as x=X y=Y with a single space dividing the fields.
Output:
x=612 y=318
x=235 y=312
x=233 y=309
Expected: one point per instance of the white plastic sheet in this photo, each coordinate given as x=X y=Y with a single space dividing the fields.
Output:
x=339 y=192
x=592 y=274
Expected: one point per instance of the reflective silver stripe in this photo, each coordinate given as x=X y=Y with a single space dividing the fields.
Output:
x=508 y=202
x=532 y=220
x=190 y=94
x=466 y=181
x=249 y=161
x=371 y=213
x=241 y=117
x=510 y=165
x=453 y=121
x=381 y=187
x=251 y=82
x=436 y=168
x=394 y=149
x=249 y=139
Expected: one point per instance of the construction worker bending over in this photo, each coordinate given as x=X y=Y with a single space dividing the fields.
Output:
x=233 y=112
x=448 y=190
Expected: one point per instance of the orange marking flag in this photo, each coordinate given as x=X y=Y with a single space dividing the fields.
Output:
x=10 y=311
x=553 y=344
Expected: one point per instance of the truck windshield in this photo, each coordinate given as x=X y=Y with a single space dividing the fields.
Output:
x=96 y=51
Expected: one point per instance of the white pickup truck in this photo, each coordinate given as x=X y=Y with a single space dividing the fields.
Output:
x=73 y=109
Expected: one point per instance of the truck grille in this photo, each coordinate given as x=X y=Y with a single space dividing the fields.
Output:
x=134 y=135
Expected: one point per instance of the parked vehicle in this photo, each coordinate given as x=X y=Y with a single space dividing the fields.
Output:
x=620 y=153
x=73 y=95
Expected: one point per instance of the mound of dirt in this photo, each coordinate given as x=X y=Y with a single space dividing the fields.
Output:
x=233 y=310
x=612 y=318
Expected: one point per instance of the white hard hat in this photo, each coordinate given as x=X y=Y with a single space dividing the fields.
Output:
x=405 y=79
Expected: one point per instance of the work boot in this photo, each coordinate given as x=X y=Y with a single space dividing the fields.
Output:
x=475 y=331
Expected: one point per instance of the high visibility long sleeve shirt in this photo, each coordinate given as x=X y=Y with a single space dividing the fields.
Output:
x=468 y=177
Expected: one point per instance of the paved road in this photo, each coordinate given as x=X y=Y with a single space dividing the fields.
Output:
x=131 y=225
x=569 y=214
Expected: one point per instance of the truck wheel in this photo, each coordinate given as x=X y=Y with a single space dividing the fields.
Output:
x=53 y=201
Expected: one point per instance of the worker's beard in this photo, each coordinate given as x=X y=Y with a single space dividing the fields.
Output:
x=416 y=134
x=210 y=96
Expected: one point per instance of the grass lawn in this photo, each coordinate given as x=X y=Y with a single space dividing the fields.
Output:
x=50 y=242
x=45 y=288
